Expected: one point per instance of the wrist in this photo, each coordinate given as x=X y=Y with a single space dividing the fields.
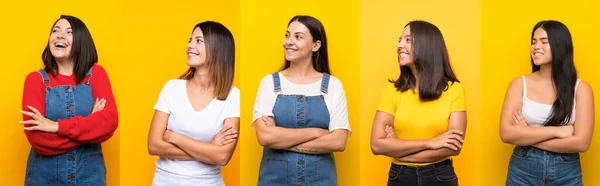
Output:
x=54 y=126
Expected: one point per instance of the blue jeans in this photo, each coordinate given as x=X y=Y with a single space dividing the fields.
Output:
x=533 y=166
x=440 y=174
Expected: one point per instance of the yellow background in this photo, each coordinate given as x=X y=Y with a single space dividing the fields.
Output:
x=263 y=28
x=382 y=22
x=505 y=40
x=155 y=37
x=25 y=30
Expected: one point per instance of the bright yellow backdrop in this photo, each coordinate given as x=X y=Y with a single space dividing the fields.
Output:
x=263 y=28
x=155 y=36
x=26 y=28
x=505 y=39
x=382 y=22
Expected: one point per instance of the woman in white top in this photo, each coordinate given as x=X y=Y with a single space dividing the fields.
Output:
x=549 y=114
x=300 y=114
x=195 y=126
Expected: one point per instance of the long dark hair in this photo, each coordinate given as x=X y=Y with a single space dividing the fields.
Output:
x=320 y=59
x=220 y=57
x=564 y=75
x=431 y=61
x=83 y=51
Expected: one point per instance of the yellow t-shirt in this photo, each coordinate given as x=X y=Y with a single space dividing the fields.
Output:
x=416 y=120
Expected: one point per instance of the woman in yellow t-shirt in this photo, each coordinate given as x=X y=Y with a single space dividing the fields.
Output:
x=421 y=120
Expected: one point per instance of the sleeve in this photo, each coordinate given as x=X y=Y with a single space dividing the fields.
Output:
x=43 y=142
x=339 y=112
x=233 y=104
x=388 y=102
x=265 y=99
x=458 y=97
x=162 y=104
x=98 y=126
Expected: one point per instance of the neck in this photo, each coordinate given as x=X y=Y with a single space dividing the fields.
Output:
x=301 y=68
x=546 y=71
x=201 y=78
x=65 y=66
x=415 y=72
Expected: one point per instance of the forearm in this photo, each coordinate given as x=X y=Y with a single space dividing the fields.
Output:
x=573 y=144
x=284 y=138
x=202 y=151
x=522 y=135
x=165 y=149
x=397 y=148
x=428 y=156
x=333 y=142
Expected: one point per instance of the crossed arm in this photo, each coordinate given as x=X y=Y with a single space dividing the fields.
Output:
x=384 y=141
x=560 y=139
x=301 y=140
x=172 y=145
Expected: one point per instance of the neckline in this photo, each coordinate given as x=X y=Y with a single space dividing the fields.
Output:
x=189 y=102
x=308 y=84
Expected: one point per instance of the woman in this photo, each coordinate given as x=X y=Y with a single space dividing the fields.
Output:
x=421 y=120
x=194 y=128
x=549 y=114
x=68 y=110
x=300 y=113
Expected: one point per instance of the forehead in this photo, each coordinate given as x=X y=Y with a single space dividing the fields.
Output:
x=62 y=23
x=297 y=27
x=197 y=32
x=540 y=32
x=406 y=31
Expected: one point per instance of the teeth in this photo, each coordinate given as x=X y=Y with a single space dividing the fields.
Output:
x=403 y=54
x=192 y=54
x=537 y=54
x=60 y=45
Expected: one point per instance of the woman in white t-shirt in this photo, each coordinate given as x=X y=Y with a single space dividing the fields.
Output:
x=300 y=114
x=195 y=126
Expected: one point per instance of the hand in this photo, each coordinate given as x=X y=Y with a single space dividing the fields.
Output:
x=99 y=105
x=169 y=136
x=451 y=139
x=226 y=136
x=39 y=122
x=389 y=130
x=564 y=131
x=518 y=119
x=269 y=121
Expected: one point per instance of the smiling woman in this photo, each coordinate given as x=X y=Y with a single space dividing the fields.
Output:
x=68 y=110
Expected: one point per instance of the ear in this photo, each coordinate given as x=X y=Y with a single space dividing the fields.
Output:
x=316 y=46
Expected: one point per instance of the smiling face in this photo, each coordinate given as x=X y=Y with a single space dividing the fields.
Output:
x=61 y=40
x=541 y=52
x=196 y=49
x=405 y=49
x=298 y=43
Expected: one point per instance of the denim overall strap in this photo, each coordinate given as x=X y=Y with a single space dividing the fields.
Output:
x=276 y=82
x=45 y=78
x=324 y=83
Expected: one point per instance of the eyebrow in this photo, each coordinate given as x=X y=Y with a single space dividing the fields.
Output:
x=406 y=36
x=199 y=37
x=59 y=27
x=296 y=32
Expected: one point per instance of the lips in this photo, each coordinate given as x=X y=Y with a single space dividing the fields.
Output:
x=291 y=49
x=192 y=54
x=60 y=45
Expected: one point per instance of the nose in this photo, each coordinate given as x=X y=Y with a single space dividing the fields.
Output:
x=400 y=45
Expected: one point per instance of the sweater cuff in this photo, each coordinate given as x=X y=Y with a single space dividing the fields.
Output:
x=64 y=127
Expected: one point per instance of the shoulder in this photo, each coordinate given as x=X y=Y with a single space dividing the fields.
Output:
x=335 y=83
x=33 y=77
x=584 y=88
x=455 y=86
x=234 y=92
x=98 y=70
x=516 y=83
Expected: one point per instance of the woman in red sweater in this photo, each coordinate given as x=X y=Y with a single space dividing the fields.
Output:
x=68 y=110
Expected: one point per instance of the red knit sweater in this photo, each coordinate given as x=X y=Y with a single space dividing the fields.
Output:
x=95 y=128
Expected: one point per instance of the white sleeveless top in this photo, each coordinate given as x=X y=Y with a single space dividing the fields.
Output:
x=535 y=114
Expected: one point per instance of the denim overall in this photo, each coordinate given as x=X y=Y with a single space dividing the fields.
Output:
x=282 y=167
x=81 y=166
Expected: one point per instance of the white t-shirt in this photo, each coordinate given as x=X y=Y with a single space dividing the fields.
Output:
x=335 y=99
x=202 y=126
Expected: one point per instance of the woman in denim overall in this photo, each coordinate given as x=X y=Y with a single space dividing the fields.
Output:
x=548 y=135
x=301 y=118
x=60 y=155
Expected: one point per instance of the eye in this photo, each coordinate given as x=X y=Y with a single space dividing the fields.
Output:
x=298 y=37
x=190 y=40
x=287 y=35
x=69 y=32
x=199 y=41
x=408 y=40
x=54 y=30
